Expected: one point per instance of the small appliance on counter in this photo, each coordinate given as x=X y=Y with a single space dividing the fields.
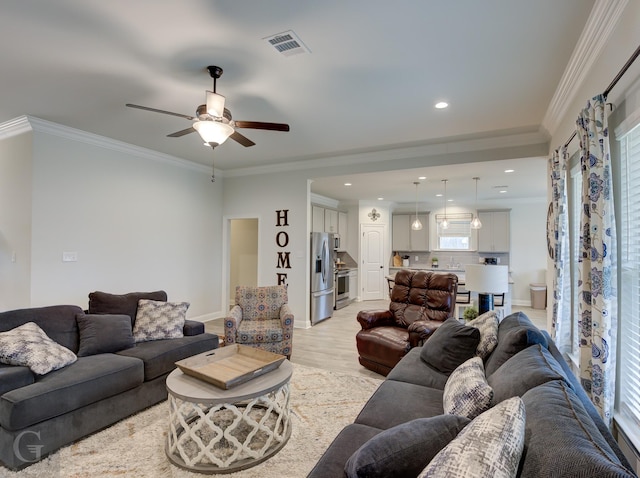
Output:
x=492 y=261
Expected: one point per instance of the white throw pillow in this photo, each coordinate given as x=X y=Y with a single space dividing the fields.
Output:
x=157 y=320
x=491 y=445
x=467 y=392
x=28 y=345
x=487 y=324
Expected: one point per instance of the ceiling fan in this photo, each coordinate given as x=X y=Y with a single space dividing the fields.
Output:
x=214 y=122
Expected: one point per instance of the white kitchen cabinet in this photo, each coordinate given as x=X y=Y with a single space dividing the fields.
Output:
x=353 y=284
x=330 y=220
x=494 y=235
x=406 y=239
x=342 y=230
x=317 y=219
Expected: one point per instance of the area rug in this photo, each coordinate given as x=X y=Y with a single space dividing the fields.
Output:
x=322 y=403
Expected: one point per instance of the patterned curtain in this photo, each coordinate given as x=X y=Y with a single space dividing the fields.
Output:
x=558 y=237
x=597 y=264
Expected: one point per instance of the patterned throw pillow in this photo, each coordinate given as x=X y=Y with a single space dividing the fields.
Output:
x=487 y=324
x=29 y=345
x=467 y=392
x=491 y=445
x=156 y=320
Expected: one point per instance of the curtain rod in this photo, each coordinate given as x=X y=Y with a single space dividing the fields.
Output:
x=613 y=83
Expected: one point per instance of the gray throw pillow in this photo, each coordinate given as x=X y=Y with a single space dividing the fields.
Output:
x=29 y=346
x=405 y=449
x=159 y=320
x=527 y=369
x=100 y=334
x=515 y=333
x=561 y=438
x=490 y=446
x=467 y=392
x=105 y=303
x=487 y=324
x=450 y=345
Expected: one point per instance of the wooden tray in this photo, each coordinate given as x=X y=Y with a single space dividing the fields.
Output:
x=232 y=365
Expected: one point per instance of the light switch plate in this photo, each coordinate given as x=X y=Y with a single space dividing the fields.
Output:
x=69 y=256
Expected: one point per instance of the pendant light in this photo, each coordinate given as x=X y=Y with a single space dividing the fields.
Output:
x=416 y=225
x=445 y=223
x=475 y=222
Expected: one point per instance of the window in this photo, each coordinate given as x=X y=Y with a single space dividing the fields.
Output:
x=629 y=291
x=574 y=196
x=457 y=237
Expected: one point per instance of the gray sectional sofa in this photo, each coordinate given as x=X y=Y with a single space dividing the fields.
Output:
x=41 y=413
x=403 y=426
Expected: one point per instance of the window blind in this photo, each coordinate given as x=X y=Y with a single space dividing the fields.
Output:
x=629 y=360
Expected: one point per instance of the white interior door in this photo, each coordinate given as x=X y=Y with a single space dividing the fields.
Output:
x=372 y=248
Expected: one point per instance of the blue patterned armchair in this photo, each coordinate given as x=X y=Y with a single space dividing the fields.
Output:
x=261 y=318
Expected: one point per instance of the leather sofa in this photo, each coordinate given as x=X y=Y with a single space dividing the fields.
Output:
x=41 y=413
x=420 y=302
x=403 y=428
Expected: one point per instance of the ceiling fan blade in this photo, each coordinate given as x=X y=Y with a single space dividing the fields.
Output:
x=177 y=134
x=261 y=125
x=146 y=108
x=243 y=140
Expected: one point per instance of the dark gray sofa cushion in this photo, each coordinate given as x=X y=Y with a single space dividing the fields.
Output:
x=556 y=444
x=57 y=321
x=452 y=344
x=394 y=403
x=127 y=304
x=404 y=450
x=527 y=369
x=160 y=356
x=103 y=333
x=515 y=333
x=14 y=376
x=86 y=381
x=413 y=369
x=193 y=327
x=331 y=464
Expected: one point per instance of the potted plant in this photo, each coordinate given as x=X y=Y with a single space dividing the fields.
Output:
x=469 y=313
x=434 y=262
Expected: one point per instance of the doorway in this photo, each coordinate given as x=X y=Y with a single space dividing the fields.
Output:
x=243 y=255
x=372 y=251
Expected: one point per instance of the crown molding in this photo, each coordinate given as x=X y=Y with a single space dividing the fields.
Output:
x=25 y=124
x=600 y=25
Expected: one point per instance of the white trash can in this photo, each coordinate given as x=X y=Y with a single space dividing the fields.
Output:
x=538 y=295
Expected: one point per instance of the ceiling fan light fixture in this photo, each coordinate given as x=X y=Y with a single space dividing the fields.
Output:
x=213 y=131
x=215 y=104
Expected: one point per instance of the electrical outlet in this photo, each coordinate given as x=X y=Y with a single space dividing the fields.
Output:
x=481 y=260
x=417 y=258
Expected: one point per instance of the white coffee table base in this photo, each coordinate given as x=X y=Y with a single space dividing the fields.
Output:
x=227 y=437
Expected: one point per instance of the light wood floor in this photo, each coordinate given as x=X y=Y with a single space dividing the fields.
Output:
x=331 y=344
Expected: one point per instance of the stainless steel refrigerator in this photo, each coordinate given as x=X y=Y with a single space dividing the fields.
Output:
x=322 y=277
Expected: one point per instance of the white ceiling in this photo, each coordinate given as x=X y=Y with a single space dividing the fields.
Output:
x=375 y=70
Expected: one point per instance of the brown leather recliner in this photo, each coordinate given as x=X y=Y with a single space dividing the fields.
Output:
x=420 y=302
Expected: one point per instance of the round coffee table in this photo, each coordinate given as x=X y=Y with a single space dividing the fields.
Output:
x=212 y=430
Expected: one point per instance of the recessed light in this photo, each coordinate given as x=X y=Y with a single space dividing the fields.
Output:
x=509 y=170
x=347 y=184
x=441 y=105
x=380 y=199
x=422 y=177
x=502 y=191
x=439 y=195
x=449 y=200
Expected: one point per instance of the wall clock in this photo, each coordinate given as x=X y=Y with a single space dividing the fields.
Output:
x=551 y=240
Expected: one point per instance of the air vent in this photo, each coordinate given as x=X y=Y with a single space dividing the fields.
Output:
x=287 y=43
